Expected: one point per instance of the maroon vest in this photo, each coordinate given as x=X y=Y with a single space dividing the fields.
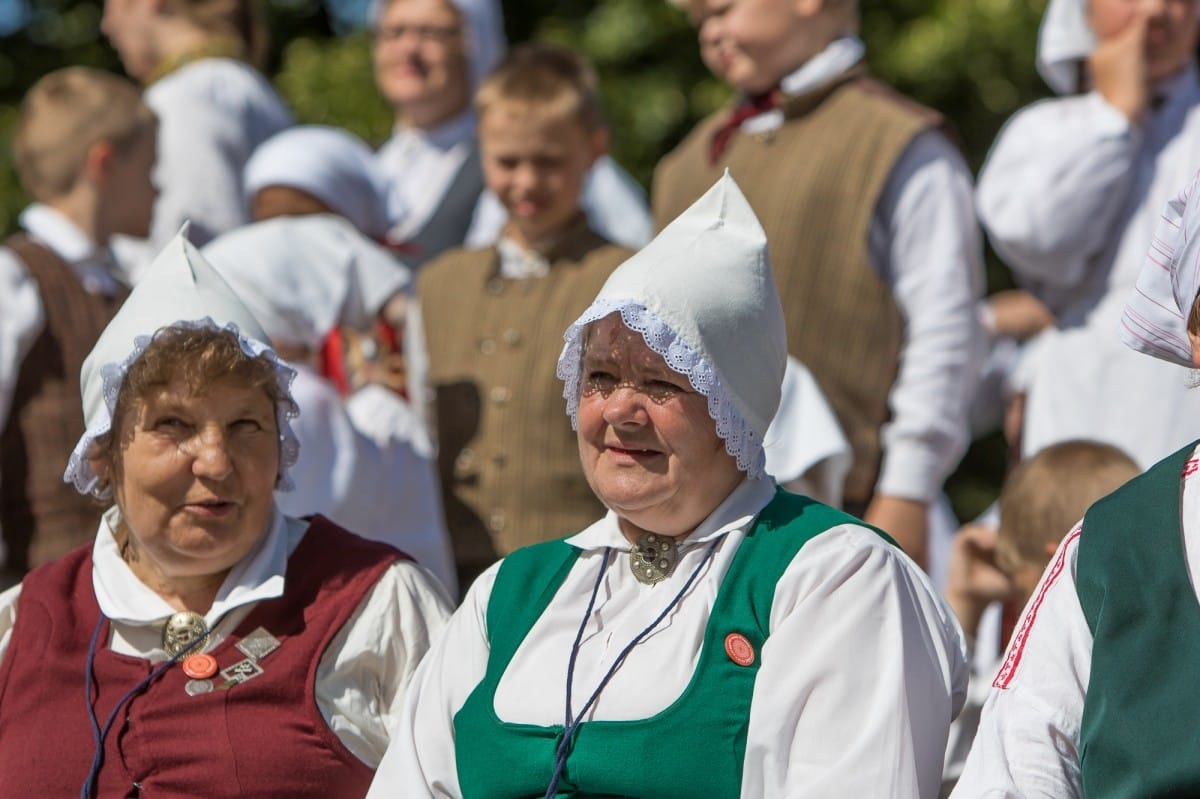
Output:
x=261 y=738
x=43 y=517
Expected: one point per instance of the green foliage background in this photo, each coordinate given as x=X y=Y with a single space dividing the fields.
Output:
x=971 y=60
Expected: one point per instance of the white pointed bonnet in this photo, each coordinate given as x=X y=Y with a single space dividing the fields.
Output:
x=331 y=164
x=179 y=289
x=703 y=297
x=303 y=276
x=1064 y=39
x=483 y=23
x=1155 y=318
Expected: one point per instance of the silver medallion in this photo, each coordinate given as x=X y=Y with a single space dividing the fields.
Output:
x=198 y=687
x=258 y=644
x=240 y=672
x=653 y=558
x=182 y=630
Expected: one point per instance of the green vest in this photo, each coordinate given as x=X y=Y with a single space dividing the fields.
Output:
x=1138 y=734
x=692 y=750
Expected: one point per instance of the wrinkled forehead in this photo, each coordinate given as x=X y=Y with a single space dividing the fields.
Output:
x=610 y=341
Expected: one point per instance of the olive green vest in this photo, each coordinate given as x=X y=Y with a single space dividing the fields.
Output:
x=1138 y=735
x=704 y=731
x=814 y=183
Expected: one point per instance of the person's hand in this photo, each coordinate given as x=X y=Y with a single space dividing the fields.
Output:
x=905 y=520
x=1018 y=314
x=973 y=580
x=1118 y=69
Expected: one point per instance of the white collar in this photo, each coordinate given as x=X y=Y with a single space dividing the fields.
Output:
x=60 y=234
x=446 y=136
x=123 y=597
x=737 y=511
x=839 y=56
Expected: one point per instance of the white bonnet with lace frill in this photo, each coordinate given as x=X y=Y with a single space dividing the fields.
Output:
x=1064 y=40
x=180 y=289
x=703 y=297
x=1156 y=316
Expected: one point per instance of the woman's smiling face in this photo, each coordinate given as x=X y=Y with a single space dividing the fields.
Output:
x=649 y=448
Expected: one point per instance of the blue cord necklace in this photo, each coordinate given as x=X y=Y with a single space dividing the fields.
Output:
x=570 y=726
x=99 y=734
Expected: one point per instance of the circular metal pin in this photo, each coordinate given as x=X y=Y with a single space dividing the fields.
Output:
x=198 y=687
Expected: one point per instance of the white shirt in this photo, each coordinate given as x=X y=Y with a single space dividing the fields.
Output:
x=212 y=113
x=362 y=676
x=1028 y=739
x=924 y=243
x=367 y=464
x=1070 y=196
x=849 y=605
x=22 y=316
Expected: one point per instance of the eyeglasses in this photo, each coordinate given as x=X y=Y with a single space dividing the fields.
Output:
x=439 y=34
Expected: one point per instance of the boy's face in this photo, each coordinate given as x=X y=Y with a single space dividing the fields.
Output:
x=419 y=58
x=129 y=190
x=753 y=44
x=1171 y=30
x=127 y=25
x=536 y=165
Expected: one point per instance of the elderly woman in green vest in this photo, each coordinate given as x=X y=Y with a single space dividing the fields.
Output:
x=711 y=636
x=1097 y=695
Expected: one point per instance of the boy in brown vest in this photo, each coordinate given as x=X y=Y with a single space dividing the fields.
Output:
x=867 y=208
x=84 y=148
x=491 y=320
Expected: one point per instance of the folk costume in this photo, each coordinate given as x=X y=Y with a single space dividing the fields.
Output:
x=1095 y=688
x=750 y=656
x=1070 y=196
x=213 y=111
x=367 y=462
x=489 y=321
x=57 y=292
x=302 y=657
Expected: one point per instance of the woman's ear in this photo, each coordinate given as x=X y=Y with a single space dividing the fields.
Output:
x=1194 y=339
x=100 y=461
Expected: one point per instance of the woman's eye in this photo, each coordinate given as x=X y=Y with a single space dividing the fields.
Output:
x=170 y=423
x=662 y=388
x=600 y=381
x=247 y=425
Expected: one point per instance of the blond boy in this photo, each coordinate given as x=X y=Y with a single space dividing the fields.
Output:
x=491 y=319
x=867 y=208
x=84 y=149
x=1043 y=498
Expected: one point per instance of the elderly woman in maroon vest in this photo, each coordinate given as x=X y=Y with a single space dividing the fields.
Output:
x=712 y=636
x=1097 y=695
x=227 y=650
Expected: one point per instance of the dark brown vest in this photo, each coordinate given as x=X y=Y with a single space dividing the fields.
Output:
x=507 y=457
x=42 y=517
x=260 y=739
x=814 y=183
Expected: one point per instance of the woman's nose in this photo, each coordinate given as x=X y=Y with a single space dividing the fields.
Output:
x=625 y=407
x=210 y=455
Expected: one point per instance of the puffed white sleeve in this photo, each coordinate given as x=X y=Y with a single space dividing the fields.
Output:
x=22 y=318
x=364 y=674
x=1049 y=192
x=1027 y=744
x=420 y=762
x=861 y=676
x=8 y=617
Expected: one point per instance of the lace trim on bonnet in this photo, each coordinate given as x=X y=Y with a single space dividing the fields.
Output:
x=79 y=472
x=740 y=439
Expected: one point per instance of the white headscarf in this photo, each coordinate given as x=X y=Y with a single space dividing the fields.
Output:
x=1156 y=316
x=331 y=164
x=180 y=289
x=703 y=297
x=1064 y=40
x=303 y=276
x=483 y=22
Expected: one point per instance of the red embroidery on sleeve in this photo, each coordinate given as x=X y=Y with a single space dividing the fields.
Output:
x=1016 y=647
x=1191 y=467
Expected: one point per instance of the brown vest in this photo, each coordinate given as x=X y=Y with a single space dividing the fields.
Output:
x=507 y=456
x=814 y=183
x=41 y=516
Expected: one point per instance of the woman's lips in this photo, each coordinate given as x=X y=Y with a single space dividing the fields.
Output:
x=632 y=453
x=210 y=509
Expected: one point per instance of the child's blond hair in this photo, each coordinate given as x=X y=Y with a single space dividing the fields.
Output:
x=240 y=21
x=1048 y=493
x=547 y=79
x=62 y=116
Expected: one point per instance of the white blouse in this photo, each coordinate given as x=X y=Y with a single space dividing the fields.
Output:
x=863 y=671
x=1070 y=196
x=362 y=676
x=1027 y=744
